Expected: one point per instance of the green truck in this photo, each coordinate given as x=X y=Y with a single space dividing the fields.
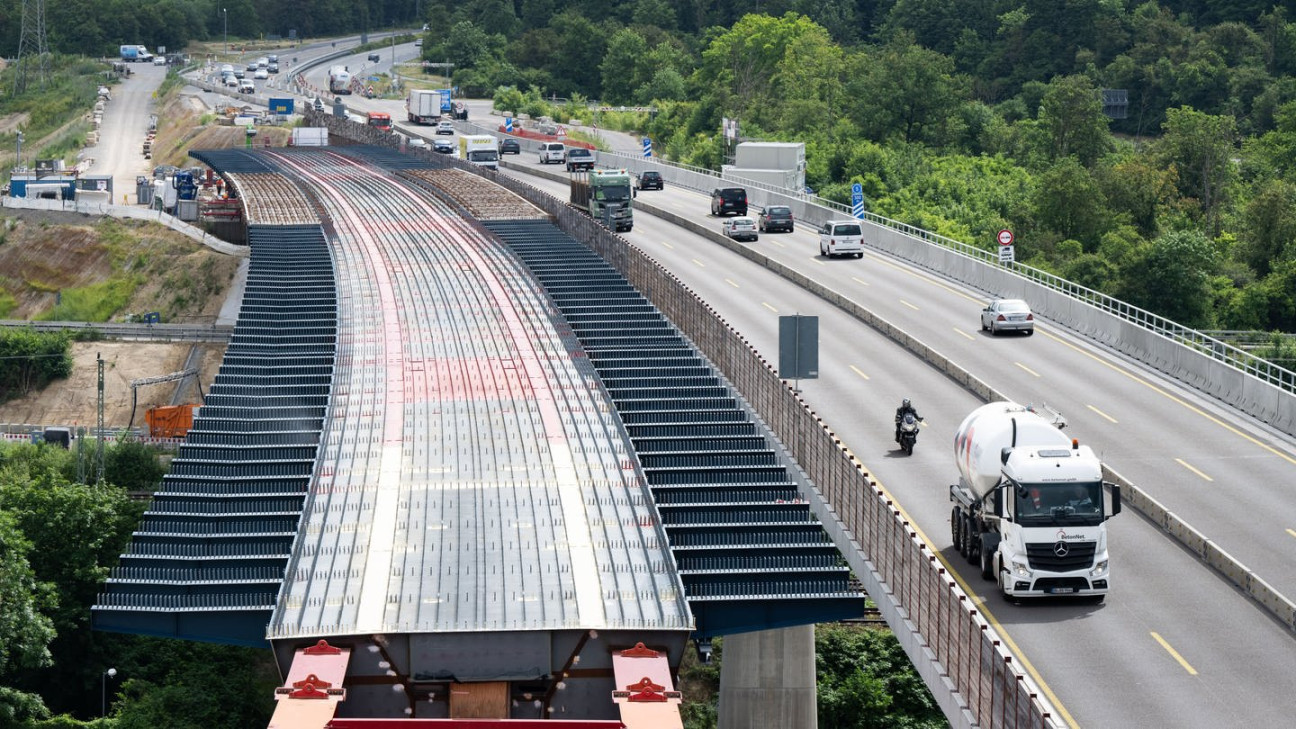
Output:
x=606 y=195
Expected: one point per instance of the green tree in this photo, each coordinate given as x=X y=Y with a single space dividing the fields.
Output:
x=133 y=466
x=1069 y=202
x=466 y=45
x=1071 y=117
x=621 y=75
x=30 y=359
x=920 y=89
x=739 y=64
x=1200 y=146
x=866 y=681
x=1172 y=277
x=25 y=630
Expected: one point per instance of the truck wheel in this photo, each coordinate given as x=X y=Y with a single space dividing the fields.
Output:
x=965 y=544
x=987 y=562
x=973 y=540
x=954 y=527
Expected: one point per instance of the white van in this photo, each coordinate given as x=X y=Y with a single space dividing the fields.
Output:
x=246 y=87
x=841 y=238
x=552 y=152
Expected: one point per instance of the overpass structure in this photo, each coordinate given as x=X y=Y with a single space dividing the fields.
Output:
x=454 y=465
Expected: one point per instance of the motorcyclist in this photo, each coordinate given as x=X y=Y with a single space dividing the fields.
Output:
x=905 y=408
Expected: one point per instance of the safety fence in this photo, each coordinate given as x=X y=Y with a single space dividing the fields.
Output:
x=949 y=640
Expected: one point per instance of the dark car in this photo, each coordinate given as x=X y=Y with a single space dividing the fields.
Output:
x=776 y=217
x=444 y=146
x=374 y=57
x=510 y=146
x=579 y=158
x=649 y=180
x=729 y=200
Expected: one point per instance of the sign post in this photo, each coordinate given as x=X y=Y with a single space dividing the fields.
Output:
x=1005 y=239
x=857 y=200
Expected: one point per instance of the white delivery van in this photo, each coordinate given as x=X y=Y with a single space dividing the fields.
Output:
x=552 y=152
x=841 y=238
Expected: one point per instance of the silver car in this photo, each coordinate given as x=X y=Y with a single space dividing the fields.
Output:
x=1008 y=315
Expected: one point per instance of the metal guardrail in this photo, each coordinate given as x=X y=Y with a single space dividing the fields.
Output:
x=1205 y=345
x=121 y=330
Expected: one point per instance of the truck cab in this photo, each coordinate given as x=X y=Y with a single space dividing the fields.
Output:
x=379 y=120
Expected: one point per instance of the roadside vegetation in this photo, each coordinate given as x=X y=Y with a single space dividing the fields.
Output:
x=53 y=116
x=963 y=121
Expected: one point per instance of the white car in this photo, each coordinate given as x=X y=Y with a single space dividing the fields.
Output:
x=261 y=73
x=740 y=228
x=552 y=152
x=445 y=127
x=841 y=238
x=1008 y=315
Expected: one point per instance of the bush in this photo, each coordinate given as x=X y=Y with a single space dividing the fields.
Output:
x=29 y=360
x=133 y=466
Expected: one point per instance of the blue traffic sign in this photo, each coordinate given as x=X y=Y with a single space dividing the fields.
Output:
x=647 y=147
x=857 y=200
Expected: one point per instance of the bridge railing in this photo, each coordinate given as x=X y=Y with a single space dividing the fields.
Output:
x=1253 y=384
x=945 y=635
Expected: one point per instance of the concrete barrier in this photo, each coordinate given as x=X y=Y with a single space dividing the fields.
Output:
x=1277 y=604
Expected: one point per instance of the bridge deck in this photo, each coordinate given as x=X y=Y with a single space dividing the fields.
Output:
x=471 y=477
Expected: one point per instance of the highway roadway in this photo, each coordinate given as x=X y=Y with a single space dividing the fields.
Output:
x=1175 y=644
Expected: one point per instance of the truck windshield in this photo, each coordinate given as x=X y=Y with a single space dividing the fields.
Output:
x=1058 y=504
x=613 y=193
x=483 y=155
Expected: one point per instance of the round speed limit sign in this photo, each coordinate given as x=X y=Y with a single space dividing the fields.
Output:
x=1005 y=237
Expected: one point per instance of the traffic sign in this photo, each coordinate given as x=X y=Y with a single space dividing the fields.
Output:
x=647 y=147
x=1005 y=237
x=857 y=200
x=1006 y=254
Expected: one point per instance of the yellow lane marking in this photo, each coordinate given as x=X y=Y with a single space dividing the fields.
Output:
x=906 y=303
x=1022 y=660
x=1176 y=400
x=960 y=331
x=859 y=281
x=1024 y=367
x=1110 y=365
x=859 y=372
x=819 y=261
x=1187 y=667
x=668 y=245
x=767 y=306
x=1292 y=532
x=699 y=263
x=1184 y=463
x=1105 y=415
x=731 y=283
x=780 y=245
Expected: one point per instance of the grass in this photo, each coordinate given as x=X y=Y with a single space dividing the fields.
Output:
x=96 y=302
x=69 y=93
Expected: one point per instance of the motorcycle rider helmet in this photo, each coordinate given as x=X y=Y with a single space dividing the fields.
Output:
x=904 y=403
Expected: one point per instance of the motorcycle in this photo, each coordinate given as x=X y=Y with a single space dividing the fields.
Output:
x=908 y=433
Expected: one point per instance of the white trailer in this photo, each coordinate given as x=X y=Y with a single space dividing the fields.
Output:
x=423 y=106
x=1030 y=507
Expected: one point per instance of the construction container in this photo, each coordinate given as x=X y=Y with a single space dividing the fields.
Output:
x=170 y=421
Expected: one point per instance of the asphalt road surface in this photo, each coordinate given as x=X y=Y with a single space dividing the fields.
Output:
x=120 y=151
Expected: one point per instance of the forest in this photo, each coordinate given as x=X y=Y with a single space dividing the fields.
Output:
x=964 y=119
x=960 y=118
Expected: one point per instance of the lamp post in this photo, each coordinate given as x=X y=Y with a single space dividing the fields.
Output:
x=18 y=152
x=103 y=694
x=225 y=15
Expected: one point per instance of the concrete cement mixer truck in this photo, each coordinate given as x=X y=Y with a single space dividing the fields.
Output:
x=1030 y=507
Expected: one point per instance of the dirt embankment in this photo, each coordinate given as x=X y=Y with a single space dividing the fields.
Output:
x=59 y=265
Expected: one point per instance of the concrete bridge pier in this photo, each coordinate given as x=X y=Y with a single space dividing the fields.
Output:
x=767 y=679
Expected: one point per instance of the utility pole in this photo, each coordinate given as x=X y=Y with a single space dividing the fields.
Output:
x=99 y=453
x=225 y=14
